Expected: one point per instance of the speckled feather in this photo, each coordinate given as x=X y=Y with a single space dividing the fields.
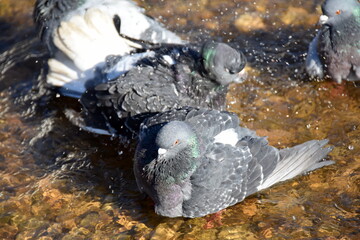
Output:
x=220 y=174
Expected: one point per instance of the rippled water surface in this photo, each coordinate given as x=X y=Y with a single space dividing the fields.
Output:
x=57 y=182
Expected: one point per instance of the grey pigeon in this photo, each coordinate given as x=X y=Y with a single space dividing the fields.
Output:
x=81 y=33
x=169 y=77
x=335 y=51
x=193 y=162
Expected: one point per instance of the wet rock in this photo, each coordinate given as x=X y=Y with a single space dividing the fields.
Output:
x=16 y=10
x=55 y=229
x=238 y=232
x=168 y=230
x=67 y=220
x=77 y=233
x=249 y=208
x=249 y=22
x=90 y=220
x=268 y=233
x=45 y=238
x=298 y=16
x=328 y=229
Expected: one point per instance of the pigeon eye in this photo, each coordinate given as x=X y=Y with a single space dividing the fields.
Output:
x=229 y=71
x=338 y=12
x=176 y=142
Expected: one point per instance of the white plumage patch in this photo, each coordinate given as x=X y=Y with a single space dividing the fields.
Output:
x=323 y=19
x=87 y=35
x=96 y=130
x=162 y=151
x=84 y=42
x=229 y=136
x=126 y=63
x=169 y=59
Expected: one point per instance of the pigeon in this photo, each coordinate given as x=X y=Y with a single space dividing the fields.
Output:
x=193 y=162
x=171 y=76
x=80 y=34
x=335 y=50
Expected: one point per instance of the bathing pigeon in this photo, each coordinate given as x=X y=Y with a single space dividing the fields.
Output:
x=335 y=50
x=81 y=33
x=169 y=77
x=193 y=162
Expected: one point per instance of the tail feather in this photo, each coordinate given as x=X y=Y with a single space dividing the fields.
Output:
x=298 y=160
x=76 y=119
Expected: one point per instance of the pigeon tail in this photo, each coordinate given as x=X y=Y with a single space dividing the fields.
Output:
x=298 y=160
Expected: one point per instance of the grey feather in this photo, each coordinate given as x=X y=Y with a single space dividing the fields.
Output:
x=196 y=175
x=155 y=85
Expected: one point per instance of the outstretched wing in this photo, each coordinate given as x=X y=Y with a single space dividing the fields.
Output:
x=47 y=16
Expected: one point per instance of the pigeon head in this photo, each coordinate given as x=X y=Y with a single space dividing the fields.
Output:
x=336 y=10
x=175 y=153
x=168 y=174
x=223 y=63
x=174 y=138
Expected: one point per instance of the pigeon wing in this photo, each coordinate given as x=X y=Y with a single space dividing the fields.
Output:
x=220 y=181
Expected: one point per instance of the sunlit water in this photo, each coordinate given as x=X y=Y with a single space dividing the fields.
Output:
x=57 y=182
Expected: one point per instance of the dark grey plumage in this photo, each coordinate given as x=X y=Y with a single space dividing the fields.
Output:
x=194 y=162
x=335 y=51
x=172 y=77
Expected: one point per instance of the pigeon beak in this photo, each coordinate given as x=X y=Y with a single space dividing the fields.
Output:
x=242 y=75
x=161 y=151
x=323 y=19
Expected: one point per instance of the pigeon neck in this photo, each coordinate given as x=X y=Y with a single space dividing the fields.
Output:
x=356 y=13
x=193 y=143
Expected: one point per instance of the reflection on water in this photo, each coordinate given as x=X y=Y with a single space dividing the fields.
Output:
x=57 y=182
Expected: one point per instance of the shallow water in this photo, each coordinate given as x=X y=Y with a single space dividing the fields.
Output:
x=57 y=182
